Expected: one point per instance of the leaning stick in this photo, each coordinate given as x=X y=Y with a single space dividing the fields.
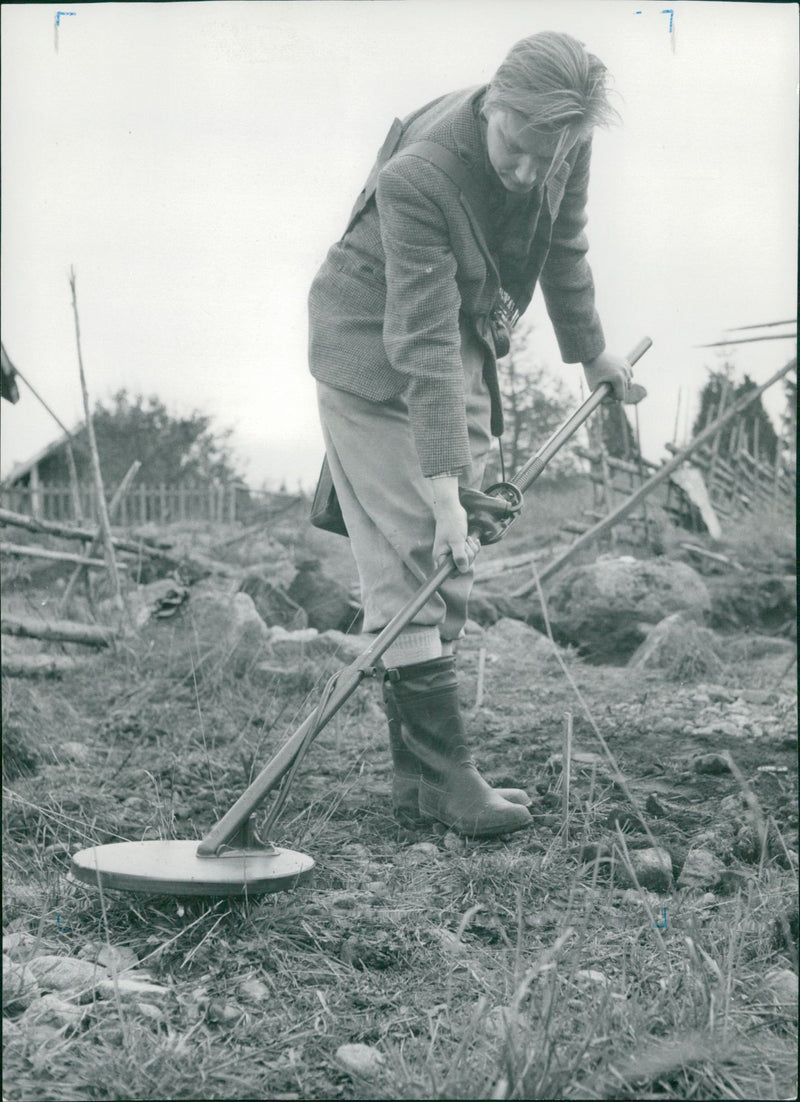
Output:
x=664 y=472
x=113 y=507
x=566 y=769
x=102 y=511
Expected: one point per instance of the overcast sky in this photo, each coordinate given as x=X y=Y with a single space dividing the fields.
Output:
x=194 y=162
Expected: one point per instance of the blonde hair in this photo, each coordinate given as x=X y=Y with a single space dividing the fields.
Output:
x=554 y=83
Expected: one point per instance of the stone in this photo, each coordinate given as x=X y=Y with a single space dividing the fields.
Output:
x=781 y=984
x=752 y=601
x=313 y=645
x=420 y=851
x=77 y=752
x=642 y=899
x=701 y=869
x=19 y=944
x=118 y=958
x=221 y=1012
x=454 y=843
x=590 y=975
x=20 y=986
x=584 y=759
x=605 y=608
x=654 y=806
x=509 y=637
x=272 y=602
x=748 y=843
x=482 y=609
x=679 y=648
x=254 y=990
x=66 y=974
x=653 y=868
x=355 y=849
x=52 y=1010
x=326 y=602
x=715 y=764
x=735 y=880
x=217 y=629
x=450 y=943
x=131 y=987
x=500 y=1021
x=358 y=1059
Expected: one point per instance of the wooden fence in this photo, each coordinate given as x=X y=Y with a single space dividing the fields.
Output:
x=161 y=504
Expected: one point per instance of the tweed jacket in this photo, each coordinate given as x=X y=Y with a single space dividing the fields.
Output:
x=385 y=307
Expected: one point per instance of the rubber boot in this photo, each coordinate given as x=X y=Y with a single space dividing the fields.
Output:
x=424 y=698
x=407 y=772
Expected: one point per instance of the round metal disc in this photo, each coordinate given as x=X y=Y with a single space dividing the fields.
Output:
x=173 y=868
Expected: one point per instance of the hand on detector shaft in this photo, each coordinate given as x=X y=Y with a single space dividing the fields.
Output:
x=608 y=368
x=451 y=536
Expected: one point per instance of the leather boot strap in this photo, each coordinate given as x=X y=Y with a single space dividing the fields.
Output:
x=420 y=669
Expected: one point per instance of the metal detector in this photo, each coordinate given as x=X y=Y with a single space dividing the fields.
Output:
x=230 y=859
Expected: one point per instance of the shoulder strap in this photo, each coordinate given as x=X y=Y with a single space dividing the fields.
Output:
x=461 y=175
x=449 y=163
x=390 y=143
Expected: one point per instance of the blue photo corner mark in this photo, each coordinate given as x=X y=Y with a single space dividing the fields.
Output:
x=671 y=13
x=58 y=923
x=58 y=24
x=662 y=925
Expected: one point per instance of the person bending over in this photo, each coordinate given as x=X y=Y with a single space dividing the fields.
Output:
x=473 y=200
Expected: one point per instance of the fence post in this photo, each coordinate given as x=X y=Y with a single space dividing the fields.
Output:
x=36 y=501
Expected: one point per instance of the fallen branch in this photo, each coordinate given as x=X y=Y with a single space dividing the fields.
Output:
x=67 y=532
x=713 y=555
x=40 y=665
x=63 y=631
x=54 y=556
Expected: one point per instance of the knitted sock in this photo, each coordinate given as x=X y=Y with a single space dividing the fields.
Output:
x=413 y=644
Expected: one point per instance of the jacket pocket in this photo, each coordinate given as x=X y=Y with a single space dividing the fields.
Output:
x=370 y=275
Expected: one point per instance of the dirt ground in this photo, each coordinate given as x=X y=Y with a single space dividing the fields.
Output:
x=539 y=965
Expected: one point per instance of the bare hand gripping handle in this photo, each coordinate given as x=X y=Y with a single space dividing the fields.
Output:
x=344 y=684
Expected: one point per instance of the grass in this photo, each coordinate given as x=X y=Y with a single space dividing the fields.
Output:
x=517 y=968
x=495 y=969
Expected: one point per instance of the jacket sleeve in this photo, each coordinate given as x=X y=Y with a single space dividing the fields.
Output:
x=566 y=279
x=420 y=330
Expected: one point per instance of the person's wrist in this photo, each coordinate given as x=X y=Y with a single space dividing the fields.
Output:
x=445 y=494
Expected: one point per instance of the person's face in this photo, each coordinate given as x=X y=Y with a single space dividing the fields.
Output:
x=520 y=156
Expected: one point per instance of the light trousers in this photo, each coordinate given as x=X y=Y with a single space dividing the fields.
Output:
x=387 y=502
